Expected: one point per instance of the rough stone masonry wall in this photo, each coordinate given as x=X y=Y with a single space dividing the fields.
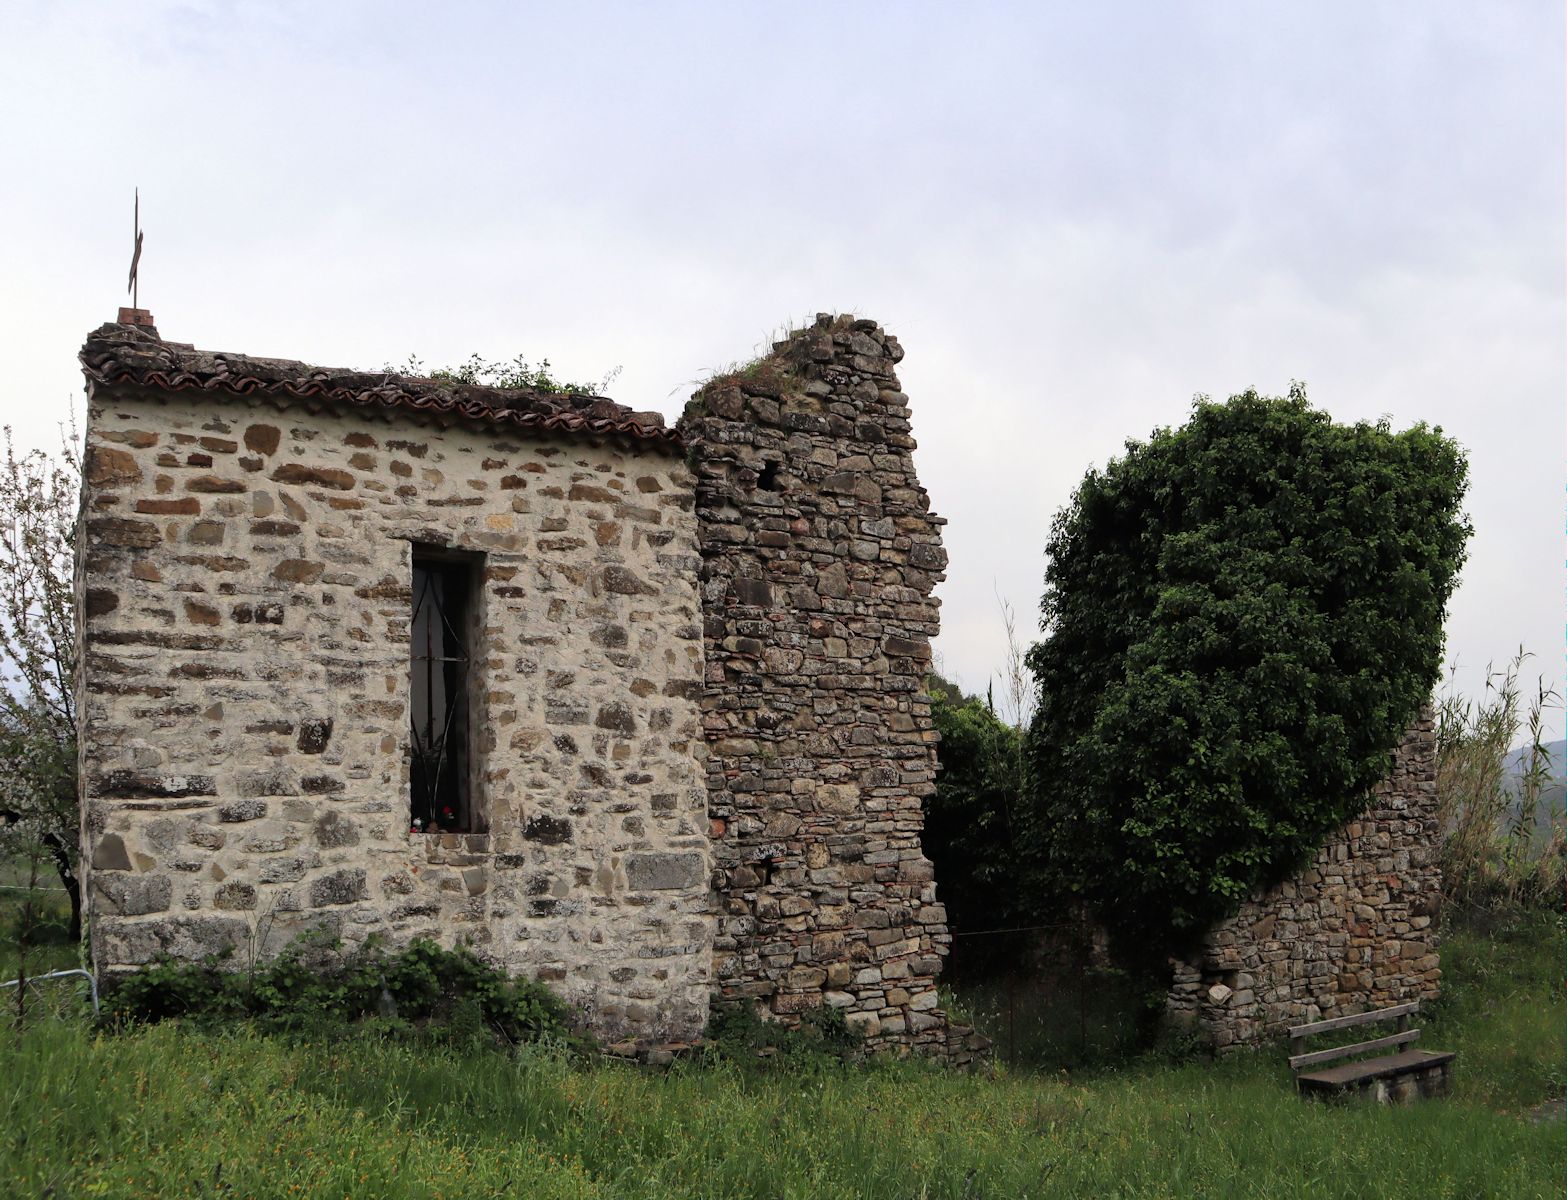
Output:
x=819 y=558
x=243 y=696
x=1355 y=930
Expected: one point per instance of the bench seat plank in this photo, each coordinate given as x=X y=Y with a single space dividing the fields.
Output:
x=1338 y=1078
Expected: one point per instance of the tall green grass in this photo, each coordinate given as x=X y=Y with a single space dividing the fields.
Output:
x=172 y=1111
x=1504 y=1007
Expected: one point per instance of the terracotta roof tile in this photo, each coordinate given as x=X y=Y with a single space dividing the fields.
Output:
x=118 y=354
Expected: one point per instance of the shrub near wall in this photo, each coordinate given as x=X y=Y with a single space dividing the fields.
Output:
x=423 y=989
x=1242 y=616
x=971 y=817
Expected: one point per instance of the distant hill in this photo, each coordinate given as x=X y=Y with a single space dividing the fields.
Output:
x=1518 y=759
x=1552 y=807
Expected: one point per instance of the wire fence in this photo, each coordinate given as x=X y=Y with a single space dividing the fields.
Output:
x=41 y=975
x=1046 y=995
x=22 y=982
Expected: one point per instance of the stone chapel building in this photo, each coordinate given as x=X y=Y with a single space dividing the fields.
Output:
x=634 y=710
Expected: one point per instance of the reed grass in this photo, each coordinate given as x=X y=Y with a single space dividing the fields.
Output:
x=1496 y=848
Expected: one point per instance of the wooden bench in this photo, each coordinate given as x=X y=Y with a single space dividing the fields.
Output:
x=1404 y=1075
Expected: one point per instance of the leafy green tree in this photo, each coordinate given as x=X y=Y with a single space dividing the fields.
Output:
x=1242 y=616
x=970 y=820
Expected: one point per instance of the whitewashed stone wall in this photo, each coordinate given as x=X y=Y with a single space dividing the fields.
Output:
x=243 y=692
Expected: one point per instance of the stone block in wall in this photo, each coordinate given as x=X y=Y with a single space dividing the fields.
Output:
x=666 y=871
x=130 y=895
x=187 y=938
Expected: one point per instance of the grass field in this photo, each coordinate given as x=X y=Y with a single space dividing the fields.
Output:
x=172 y=1111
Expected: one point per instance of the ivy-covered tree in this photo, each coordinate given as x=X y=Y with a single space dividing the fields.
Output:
x=1241 y=618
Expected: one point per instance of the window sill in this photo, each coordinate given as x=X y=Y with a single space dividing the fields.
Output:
x=452 y=849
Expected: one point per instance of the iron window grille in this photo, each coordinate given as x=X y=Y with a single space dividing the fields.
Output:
x=441 y=633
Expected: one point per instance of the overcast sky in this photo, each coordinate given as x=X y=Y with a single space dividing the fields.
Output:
x=1074 y=217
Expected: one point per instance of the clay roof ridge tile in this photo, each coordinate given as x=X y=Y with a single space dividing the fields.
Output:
x=108 y=359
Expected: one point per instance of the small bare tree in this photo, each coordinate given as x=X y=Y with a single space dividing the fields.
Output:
x=39 y=496
x=1017 y=686
x=1018 y=699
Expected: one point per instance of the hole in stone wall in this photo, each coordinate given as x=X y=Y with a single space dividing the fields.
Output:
x=768 y=479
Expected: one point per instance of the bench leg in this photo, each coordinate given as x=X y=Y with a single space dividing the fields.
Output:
x=1436 y=1081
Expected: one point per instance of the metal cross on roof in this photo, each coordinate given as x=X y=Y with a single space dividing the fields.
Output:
x=136 y=253
x=135 y=315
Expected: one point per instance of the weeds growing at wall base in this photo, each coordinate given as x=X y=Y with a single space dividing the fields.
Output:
x=422 y=992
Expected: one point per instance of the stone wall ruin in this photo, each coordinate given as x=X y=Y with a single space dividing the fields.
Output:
x=701 y=737
x=244 y=686
x=1357 y=929
x=819 y=558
